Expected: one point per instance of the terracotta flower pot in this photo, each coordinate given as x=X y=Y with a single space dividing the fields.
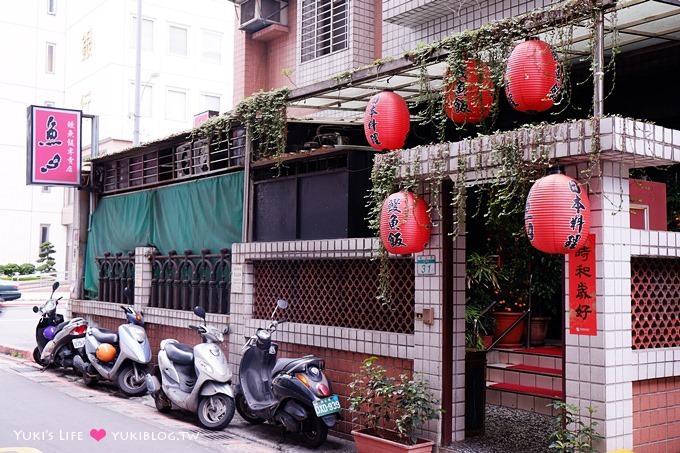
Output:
x=539 y=329
x=369 y=443
x=504 y=320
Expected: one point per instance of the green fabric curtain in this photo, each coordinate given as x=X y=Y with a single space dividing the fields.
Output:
x=207 y=213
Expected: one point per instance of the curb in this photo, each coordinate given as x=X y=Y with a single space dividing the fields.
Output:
x=15 y=352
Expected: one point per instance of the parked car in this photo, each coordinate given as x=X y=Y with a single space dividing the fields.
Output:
x=9 y=291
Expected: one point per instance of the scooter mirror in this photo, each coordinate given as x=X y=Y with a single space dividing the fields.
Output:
x=226 y=331
x=55 y=285
x=35 y=309
x=282 y=304
x=199 y=311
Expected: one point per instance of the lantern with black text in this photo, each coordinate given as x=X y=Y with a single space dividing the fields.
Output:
x=404 y=223
x=470 y=96
x=557 y=214
x=386 y=121
x=533 y=76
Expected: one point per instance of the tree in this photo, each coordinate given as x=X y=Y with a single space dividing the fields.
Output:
x=45 y=257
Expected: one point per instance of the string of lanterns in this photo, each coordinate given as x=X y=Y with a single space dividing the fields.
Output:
x=533 y=82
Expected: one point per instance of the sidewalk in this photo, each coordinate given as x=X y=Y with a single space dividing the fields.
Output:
x=238 y=436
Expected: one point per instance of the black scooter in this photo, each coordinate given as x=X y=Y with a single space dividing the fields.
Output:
x=293 y=393
x=58 y=341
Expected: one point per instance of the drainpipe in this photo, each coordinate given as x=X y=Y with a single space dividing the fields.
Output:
x=138 y=72
x=598 y=65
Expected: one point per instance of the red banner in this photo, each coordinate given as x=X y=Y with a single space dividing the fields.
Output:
x=54 y=146
x=582 y=285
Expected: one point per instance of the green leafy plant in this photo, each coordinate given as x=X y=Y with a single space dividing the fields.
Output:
x=382 y=402
x=45 y=257
x=10 y=269
x=26 y=268
x=483 y=279
x=575 y=434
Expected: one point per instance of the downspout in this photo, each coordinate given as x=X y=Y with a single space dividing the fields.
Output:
x=598 y=64
x=247 y=212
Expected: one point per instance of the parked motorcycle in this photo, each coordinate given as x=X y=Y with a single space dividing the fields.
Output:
x=58 y=341
x=196 y=378
x=293 y=392
x=121 y=357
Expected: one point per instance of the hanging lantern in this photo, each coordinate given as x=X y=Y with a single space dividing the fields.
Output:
x=557 y=214
x=404 y=223
x=470 y=97
x=386 y=121
x=533 y=76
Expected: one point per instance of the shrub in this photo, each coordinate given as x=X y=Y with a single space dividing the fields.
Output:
x=26 y=268
x=10 y=269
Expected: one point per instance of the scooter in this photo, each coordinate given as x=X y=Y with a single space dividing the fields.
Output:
x=121 y=357
x=58 y=341
x=294 y=392
x=196 y=378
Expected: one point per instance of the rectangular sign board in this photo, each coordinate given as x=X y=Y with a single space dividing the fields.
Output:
x=54 y=142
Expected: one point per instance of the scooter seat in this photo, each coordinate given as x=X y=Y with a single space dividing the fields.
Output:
x=180 y=353
x=104 y=335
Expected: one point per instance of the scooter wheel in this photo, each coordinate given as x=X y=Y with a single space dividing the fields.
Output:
x=130 y=383
x=160 y=399
x=36 y=357
x=89 y=380
x=314 y=432
x=244 y=410
x=215 y=411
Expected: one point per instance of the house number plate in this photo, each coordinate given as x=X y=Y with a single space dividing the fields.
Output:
x=425 y=265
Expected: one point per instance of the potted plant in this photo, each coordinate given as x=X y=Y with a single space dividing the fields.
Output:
x=546 y=301
x=390 y=409
x=483 y=280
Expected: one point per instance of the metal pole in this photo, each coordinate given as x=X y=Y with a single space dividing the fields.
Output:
x=138 y=75
x=598 y=65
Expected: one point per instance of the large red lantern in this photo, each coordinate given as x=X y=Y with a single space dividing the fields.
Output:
x=470 y=97
x=533 y=77
x=405 y=224
x=386 y=121
x=557 y=214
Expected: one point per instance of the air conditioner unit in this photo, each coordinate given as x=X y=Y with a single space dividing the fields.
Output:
x=258 y=14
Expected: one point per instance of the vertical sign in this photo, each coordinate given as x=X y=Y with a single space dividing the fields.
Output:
x=54 y=146
x=582 y=308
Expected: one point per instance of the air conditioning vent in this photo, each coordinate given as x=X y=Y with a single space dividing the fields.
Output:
x=258 y=14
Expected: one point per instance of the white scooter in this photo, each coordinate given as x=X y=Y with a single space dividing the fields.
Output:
x=196 y=379
x=121 y=357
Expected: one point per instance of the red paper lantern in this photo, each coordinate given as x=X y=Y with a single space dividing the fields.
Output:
x=470 y=97
x=404 y=223
x=386 y=121
x=557 y=214
x=533 y=77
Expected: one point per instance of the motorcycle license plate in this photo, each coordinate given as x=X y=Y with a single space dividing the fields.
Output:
x=78 y=342
x=327 y=406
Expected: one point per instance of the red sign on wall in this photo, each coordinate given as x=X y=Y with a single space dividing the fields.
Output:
x=54 y=146
x=582 y=282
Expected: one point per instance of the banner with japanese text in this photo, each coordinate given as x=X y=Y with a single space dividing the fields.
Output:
x=54 y=146
x=582 y=285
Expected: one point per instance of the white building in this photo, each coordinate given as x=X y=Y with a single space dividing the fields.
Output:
x=81 y=55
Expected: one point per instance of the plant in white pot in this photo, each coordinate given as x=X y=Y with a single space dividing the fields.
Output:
x=392 y=410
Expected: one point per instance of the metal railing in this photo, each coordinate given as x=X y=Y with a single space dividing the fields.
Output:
x=116 y=272
x=181 y=282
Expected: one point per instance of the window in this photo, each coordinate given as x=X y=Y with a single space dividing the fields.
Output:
x=52 y=7
x=324 y=27
x=44 y=233
x=147 y=34
x=176 y=105
x=49 y=64
x=178 y=40
x=211 y=46
x=210 y=102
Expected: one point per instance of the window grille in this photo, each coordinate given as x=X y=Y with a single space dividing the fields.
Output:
x=324 y=27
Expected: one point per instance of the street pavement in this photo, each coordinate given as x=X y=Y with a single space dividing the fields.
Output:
x=53 y=411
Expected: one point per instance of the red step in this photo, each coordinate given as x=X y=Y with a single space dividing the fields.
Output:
x=522 y=368
x=526 y=390
x=550 y=351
